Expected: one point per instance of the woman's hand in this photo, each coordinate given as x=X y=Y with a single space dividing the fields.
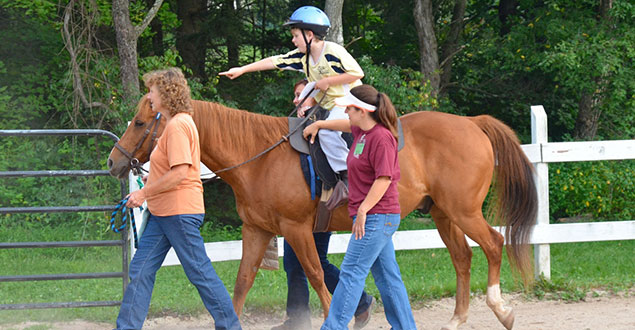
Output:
x=233 y=73
x=135 y=199
x=358 y=230
x=311 y=131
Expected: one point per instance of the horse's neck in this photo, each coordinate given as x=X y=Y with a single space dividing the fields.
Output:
x=229 y=136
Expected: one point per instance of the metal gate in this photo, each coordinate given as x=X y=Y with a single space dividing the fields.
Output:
x=50 y=209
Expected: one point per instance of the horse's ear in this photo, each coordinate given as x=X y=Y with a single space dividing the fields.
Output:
x=143 y=103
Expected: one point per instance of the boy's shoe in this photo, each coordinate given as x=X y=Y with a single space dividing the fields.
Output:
x=362 y=319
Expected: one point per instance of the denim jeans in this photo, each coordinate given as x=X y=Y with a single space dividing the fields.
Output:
x=298 y=289
x=374 y=252
x=182 y=233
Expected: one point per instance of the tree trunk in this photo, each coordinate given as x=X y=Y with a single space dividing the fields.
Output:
x=333 y=10
x=190 y=40
x=429 y=59
x=157 y=34
x=505 y=9
x=127 y=36
x=451 y=44
x=127 y=47
x=589 y=107
x=233 y=32
x=586 y=124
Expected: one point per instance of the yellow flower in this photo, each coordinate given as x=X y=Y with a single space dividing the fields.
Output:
x=531 y=25
x=587 y=203
x=608 y=181
x=564 y=188
x=558 y=171
x=522 y=56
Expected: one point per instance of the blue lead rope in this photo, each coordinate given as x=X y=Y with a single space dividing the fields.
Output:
x=124 y=213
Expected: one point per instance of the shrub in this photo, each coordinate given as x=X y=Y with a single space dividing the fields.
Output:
x=604 y=190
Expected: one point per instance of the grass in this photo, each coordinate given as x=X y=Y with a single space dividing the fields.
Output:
x=577 y=269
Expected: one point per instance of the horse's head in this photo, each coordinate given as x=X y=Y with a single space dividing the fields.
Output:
x=137 y=142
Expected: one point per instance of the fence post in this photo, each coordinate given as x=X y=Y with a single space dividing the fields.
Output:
x=542 y=258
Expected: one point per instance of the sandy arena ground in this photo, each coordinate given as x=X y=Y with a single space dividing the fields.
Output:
x=609 y=312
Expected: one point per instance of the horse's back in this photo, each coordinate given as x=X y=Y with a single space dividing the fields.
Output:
x=440 y=131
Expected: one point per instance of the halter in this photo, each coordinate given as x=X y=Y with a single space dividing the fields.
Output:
x=135 y=165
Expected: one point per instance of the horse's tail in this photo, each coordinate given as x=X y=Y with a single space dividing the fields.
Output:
x=516 y=201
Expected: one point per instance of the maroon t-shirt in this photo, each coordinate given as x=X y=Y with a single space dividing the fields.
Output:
x=373 y=154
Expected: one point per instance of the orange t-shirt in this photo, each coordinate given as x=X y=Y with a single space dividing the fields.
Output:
x=179 y=144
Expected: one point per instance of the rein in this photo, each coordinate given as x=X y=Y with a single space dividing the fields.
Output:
x=135 y=166
x=284 y=138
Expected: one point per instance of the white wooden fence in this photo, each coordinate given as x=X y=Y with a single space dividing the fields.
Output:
x=540 y=153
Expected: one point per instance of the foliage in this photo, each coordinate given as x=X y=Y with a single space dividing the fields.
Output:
x=600 y=190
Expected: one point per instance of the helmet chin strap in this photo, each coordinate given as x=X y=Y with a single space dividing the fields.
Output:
x=308 y=52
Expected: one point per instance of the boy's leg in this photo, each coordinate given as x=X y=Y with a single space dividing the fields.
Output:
x=183 y=233
x=388 y=280
x=332 y=143
x=153 y=247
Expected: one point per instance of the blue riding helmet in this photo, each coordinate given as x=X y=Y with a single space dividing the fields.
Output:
x=310 y=18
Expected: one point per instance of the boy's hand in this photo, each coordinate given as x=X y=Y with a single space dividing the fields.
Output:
x=302 y=111
x=233 y=73
x=322 y=84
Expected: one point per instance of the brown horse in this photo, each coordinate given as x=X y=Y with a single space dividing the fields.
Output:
x=447 y=166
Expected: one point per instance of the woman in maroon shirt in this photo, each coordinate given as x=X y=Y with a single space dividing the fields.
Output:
x=373 y=171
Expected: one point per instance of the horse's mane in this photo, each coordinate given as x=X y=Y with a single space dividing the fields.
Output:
x=239 y=130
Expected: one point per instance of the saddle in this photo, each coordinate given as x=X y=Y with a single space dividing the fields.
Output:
x=312 y=158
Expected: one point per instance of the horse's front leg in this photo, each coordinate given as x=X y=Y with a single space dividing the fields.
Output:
x=300 y=237
x=461 y=255
x=255 y=241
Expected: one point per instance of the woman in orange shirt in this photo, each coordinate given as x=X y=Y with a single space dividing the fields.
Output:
x=174 y=193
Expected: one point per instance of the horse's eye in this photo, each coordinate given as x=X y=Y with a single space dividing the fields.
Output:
x=139 y=123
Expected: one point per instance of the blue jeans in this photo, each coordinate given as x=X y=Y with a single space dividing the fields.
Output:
x=374 y=252
x=298 y=289
x=182 y=233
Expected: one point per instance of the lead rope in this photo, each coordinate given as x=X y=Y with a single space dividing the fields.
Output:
x=121 y=206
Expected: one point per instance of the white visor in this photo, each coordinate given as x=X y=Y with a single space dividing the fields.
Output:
x=350 y=100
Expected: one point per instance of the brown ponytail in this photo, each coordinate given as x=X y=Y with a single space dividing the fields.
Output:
x=385 y=113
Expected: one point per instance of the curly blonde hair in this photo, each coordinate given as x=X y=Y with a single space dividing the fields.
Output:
x=173 y=89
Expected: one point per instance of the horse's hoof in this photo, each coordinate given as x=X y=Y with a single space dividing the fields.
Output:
x=507 y=319
x=453 y=324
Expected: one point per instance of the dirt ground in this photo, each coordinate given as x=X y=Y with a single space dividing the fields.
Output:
x=604 y=312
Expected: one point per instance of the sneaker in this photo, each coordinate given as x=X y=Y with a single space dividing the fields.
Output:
x=294 y=324
x=362 y=319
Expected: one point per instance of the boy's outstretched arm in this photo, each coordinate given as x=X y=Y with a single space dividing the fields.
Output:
x=264 y=64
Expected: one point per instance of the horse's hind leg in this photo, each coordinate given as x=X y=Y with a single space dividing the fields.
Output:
x=255 y=241
x=473 y=224
x=303 y=245
x=461 y=255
